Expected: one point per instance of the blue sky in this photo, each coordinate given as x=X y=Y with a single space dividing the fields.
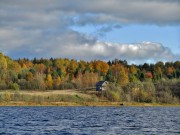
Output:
x=169 y=36
x=136 y=30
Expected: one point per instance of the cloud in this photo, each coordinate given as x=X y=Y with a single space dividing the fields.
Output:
x=131 y=52
x=71 y=44
x=42 y=28
x=102 y=30
x=160 y=12
x=74 y=45
x=157 y=12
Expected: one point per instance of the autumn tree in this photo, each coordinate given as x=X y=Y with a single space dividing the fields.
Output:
x=49 y=81
x=133 y=73
x=88 y=79
x=120 y=74
x=169 y=71
x=25 y=63
x=57 y=82
x=149 y=75
x=72 y=68
x=3 y=66
x=82 y=65
x=61 y=65
x=100 y=67
x=29 y=76
x=158 y=72
x=161 y=65
x=39 y=81
x=40 y=68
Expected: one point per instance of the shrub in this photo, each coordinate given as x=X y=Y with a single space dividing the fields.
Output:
x=22 y=83
x=1 y=97
x=140 y=92
x=149 y=92
x=3 y=85
x=7 y=96
x=14 y=86
x=68 y=85
x=113 y=92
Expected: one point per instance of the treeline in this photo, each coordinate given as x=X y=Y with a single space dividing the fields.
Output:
x=48 y=74
x=163 y=91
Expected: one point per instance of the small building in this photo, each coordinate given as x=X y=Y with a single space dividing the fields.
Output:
x=101 y=85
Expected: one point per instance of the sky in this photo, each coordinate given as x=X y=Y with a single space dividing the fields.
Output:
x=134 y=30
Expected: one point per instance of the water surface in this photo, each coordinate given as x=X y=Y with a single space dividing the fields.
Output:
x=90 y=120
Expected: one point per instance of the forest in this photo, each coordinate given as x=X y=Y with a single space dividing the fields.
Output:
x=159 y=82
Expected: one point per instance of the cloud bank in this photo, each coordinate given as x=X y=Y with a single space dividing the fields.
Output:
x=43 y=28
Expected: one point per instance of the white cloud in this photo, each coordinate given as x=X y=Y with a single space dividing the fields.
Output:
x=71 y=44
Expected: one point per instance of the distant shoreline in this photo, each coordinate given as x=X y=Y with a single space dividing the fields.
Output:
x=91 y=104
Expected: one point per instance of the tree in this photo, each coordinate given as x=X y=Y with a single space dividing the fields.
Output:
x=13 y=65
x=79 y=80
x=3 y=66
x=146 y=66
x=133 y=69
x=109 y=76
x=100 y=67
x=61 y=65
x=177 y=65
x=57 y=82
x=120 y=74
x=82 y=65
x=49 y=81
x=161 y=65
x=40 y=68
x=133 y=78
x=29 y=76
x=104 y=68
x=86 y=80
x=170 y=71
x=38 y=82
x=149 y=75
x=158 y=72
x=72 y=68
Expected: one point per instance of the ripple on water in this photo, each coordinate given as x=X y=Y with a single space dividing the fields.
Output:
x=90 y=120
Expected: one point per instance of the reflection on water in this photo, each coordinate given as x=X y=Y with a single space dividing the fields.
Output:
x=89 y=120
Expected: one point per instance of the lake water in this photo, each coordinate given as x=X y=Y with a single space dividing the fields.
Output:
x=90 y=120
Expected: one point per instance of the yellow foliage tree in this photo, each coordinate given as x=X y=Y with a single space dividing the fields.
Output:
x=120 y=74
x=3 y=66
x=40 y=68
x=57 y=82
x=49 y=81
x=133 y=69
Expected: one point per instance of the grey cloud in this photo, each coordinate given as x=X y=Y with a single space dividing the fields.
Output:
x=129 y=11
x=101 y=32
x=159 y=12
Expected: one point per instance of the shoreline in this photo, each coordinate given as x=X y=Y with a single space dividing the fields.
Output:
x=66 y=98
x=91 y=104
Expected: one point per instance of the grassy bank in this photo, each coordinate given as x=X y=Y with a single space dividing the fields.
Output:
x=115 y=104
x=62 y=98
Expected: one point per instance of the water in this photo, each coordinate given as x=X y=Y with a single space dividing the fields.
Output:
x=90 y=120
